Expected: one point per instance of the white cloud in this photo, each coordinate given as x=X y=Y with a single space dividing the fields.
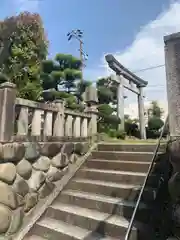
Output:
x=147 y=50
x=26 y=5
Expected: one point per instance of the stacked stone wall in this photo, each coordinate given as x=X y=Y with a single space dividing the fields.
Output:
x=29 y=172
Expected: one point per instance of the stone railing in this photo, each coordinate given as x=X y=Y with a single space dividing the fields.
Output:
x=34 y=153
x=52 y=122
x=21 y=119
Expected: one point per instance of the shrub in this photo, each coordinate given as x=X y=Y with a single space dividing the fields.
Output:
x=112 y=133
x=120 y=134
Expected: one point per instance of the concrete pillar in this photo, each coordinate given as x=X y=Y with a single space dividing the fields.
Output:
x=141 y=114
x=172 y=63
x=7 y=111
x=120 y=102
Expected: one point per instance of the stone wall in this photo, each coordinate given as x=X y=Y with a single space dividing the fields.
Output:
x=29 y=172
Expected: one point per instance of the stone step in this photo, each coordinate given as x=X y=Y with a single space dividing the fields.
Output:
x=34 y=237
x=52 y=229
x=104 y=204
x=125 y=156
x=130 y=147
x=111 y=175
x=117 y=165
x=125 y=191
x=95 y=221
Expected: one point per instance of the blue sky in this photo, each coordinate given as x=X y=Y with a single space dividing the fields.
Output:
x=131 y=30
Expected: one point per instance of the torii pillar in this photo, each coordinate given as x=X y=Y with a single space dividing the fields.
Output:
x=120 y=102
x=141 y=113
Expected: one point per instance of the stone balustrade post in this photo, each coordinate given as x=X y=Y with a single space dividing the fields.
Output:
x=91 y=99
x=48 y=124
x=77 y=127
x=69 y=126
x=23 y=121
x=92 y=125
x=84 y=127
x=58 y=130
x=7 y=111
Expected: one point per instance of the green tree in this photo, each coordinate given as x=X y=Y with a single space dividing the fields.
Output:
x=155 y=123
x=60 y=79
x=155 y=110
x=106 y=91
x=107 y=120
x=25 y=46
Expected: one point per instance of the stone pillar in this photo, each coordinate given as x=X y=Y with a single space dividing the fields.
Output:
x=58 y=130
x=141 y=114
x=77 y=127
x=69 y=126
x=92 y=124
x=84 y=127
x=172 y=63
x=23 y=122
x=48 y=123
x=7 y=111
x=120 y=102
x=36 y=122
x=91 y=100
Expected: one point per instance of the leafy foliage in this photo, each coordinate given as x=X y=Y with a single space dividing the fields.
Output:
x=107 y=120
x=155 y=122
x=25 y=46
x=60 y=80
x=155 y=110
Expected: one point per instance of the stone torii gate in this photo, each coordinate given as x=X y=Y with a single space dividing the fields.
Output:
x=126 y=79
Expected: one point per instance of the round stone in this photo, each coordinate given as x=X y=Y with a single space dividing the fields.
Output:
x=31 y=200
x=7 y=196
x=7 y=172
x=16 y=221
x=5 y=218
x=54 y=174
x=61 y=160
x=49 y=149
x=36 y=181
x=24 y=169
x=32 y=151
x=20 y=186
x=42 y=164
x=13 y=152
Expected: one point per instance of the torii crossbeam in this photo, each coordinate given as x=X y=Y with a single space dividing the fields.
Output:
x=126 y=79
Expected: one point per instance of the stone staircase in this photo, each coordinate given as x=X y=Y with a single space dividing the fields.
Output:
x=99 y=200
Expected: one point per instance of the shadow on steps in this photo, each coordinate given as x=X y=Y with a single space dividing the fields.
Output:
x=158 y=222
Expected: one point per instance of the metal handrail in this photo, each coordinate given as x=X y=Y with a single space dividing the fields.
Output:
x=145 y=182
